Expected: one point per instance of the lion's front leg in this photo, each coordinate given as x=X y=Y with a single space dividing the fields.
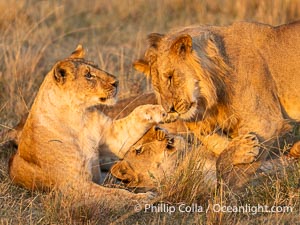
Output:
x=238 y=163
x=123 y=133
x=84 y=193
x=214 y=142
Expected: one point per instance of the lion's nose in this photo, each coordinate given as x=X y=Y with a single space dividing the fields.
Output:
x=172 y=109
x=168 y=105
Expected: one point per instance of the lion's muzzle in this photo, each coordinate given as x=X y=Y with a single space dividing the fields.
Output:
x=180 y=107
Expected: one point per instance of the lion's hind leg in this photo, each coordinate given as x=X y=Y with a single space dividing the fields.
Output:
x=27 y=174
x=80 y=191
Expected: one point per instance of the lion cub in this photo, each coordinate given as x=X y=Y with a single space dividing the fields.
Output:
x=59 y=142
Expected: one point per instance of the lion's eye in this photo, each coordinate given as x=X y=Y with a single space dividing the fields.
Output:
x=88 y=75
x=170 y=79
x=170 y=147
x=139 y=150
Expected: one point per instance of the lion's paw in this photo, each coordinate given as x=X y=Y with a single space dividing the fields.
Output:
x=247 y=150
x=145 y=197
x=160 y=133
x=151 y=195
x=152 y=113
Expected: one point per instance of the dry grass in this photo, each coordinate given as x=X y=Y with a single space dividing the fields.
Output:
x=34 y=34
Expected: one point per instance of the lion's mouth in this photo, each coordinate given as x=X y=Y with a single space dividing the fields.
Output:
x=107 y=100
x=184 y=109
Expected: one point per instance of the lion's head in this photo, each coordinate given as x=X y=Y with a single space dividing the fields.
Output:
x=82 y=82
x=150 y=160
x=189 y=72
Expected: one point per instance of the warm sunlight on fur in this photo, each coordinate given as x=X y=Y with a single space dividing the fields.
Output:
x=237 y=79
x=58 y=146
x=159 y=158
x=35 y=34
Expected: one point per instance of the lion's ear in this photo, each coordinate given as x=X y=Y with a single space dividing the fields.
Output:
x=123 y=171
x=61 y=71
x=78 y=53
x=142 y=66
x=182 y=45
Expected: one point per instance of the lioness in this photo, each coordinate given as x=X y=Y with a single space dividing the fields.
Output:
x=59 y=143
x=236 y=80
x=158 y=155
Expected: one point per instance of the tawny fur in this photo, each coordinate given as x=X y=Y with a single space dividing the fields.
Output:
x=236 y=80
x=59 y=144
x=158 y=156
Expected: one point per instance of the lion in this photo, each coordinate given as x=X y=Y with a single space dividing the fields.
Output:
x=233 y=80
x=158 y=155
x=121 y=109
x=59 y=143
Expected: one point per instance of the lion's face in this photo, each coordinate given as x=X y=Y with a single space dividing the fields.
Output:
x=83 y=82
x=175 y=85
x=184 y=73
x=150 y=160
x=173 y=77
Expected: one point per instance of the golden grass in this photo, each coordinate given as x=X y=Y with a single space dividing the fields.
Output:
x=34 y=34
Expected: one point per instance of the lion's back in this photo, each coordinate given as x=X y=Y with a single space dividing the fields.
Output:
x=268 y=58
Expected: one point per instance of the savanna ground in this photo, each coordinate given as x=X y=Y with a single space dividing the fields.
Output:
x=35 y=34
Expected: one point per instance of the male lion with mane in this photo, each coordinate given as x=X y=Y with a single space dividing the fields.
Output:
x=58 y=146
x=241 y=79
